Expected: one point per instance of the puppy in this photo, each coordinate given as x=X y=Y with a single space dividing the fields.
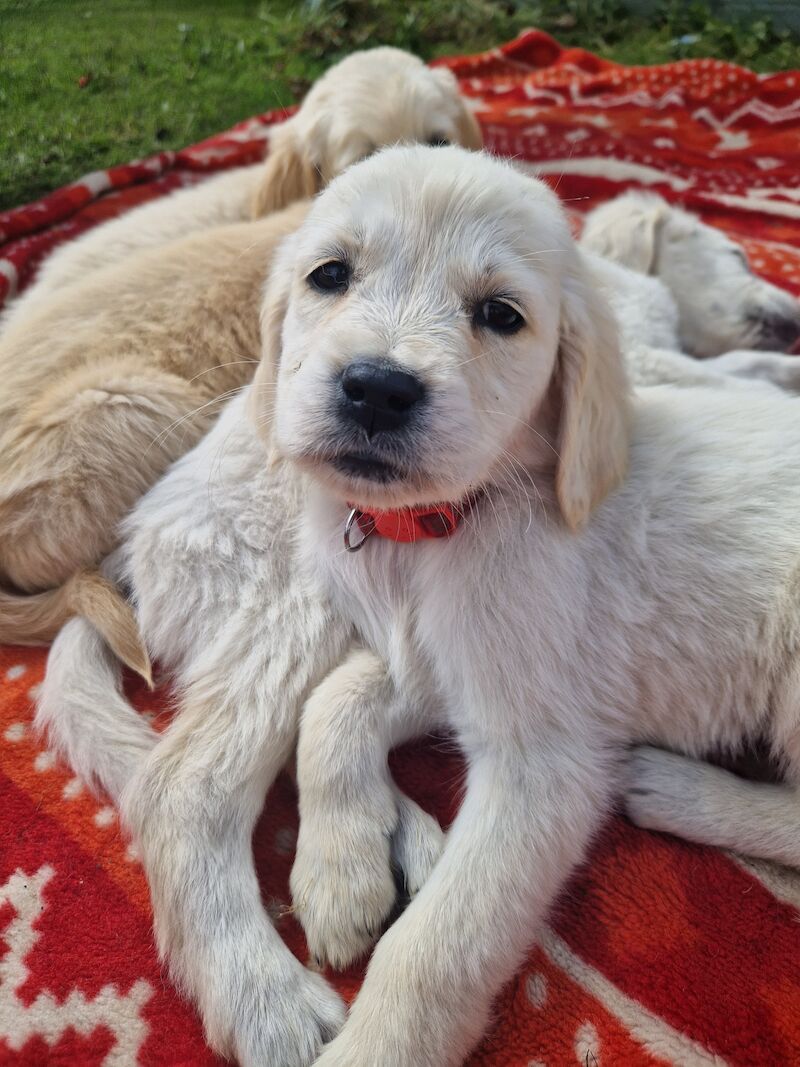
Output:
x=371 y=98
x=523 y=422
x=108 y=380
x=436 y=362
x=649 y=318
x=722 y=305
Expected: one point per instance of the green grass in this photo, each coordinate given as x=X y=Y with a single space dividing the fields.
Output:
x=88 y=83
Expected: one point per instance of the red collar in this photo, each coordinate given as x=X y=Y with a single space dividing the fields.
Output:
x=405 y=525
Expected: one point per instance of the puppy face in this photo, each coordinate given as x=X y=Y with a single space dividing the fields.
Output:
x=418 y=319
x=369 y=100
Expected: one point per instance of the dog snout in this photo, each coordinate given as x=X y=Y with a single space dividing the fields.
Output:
x=378 y=395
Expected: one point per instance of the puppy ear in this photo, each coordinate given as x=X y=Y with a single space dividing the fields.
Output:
x=627 y=231
x=261 y=402
x=288 y=174
x=469 y=132
x=593 y=428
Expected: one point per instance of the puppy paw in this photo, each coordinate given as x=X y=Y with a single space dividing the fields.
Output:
x=662 y=790
x=275 y=1012
x=342 y=885
x=417 y=843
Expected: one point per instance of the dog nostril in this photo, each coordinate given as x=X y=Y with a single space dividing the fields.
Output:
x=354 y=392
x=398 y=403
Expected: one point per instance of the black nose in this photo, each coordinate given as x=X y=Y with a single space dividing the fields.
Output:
x=378 y=396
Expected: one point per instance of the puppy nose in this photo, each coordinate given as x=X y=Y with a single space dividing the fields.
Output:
x=378 y=396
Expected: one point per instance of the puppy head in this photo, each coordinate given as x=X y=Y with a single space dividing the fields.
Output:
x=371 y=99
x=434 y=328
x=723 y=305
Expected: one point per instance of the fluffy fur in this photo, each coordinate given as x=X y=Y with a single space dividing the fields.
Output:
x=722 y=304
x=371 y=98
x=664 y=609
x=108 y=380
x=105 y=388
x=665 y=612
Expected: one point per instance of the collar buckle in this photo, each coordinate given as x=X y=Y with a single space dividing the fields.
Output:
x=366 y=525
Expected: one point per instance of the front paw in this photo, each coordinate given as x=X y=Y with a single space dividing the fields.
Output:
x=342 y=885
x=661 y=788
x=285 y=1020
x=417 y=843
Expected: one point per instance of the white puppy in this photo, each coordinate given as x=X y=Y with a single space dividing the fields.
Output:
x=648 y=317
x=722 y=305
x=370 y=99
x=625 y=570
x=642 y=627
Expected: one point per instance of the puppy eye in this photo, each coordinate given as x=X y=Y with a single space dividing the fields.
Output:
x=437 y=141
x=332 y=277
x=498 y=316
x=741 y=256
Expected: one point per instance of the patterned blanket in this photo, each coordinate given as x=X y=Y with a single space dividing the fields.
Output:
x=658 y=952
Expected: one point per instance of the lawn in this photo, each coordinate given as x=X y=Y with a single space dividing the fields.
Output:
x=87 y=84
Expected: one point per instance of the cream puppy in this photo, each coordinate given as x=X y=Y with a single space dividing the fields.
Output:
x=722 y=305
x=663 y=609
x=371 y=98
x=461 y=361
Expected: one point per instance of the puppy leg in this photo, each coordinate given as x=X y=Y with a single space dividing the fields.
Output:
x=706 y=804
x=524 y=824
x=656 y=366
x=85 y=714
x=773 y=367
x=192 y=808
x=351 y=812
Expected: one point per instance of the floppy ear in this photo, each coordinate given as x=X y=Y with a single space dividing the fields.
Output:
x=288 y=174
x=261 y=402
x=593 y=427
x=469 y=132
x=627 y=231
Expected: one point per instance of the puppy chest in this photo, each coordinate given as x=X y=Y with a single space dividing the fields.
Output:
x=377 y=591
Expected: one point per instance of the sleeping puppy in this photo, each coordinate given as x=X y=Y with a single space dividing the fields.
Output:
x=110 y=379
x=722 y=305
x=443 y=378
x=369 y=99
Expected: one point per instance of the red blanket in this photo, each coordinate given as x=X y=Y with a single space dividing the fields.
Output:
x=659 y=952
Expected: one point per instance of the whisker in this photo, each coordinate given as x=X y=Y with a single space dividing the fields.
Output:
x=221 y=366
x=163 y=434
x=516 y=418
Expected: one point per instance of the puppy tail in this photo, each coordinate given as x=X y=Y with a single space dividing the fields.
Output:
x=82 y=709
x=36 y=618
